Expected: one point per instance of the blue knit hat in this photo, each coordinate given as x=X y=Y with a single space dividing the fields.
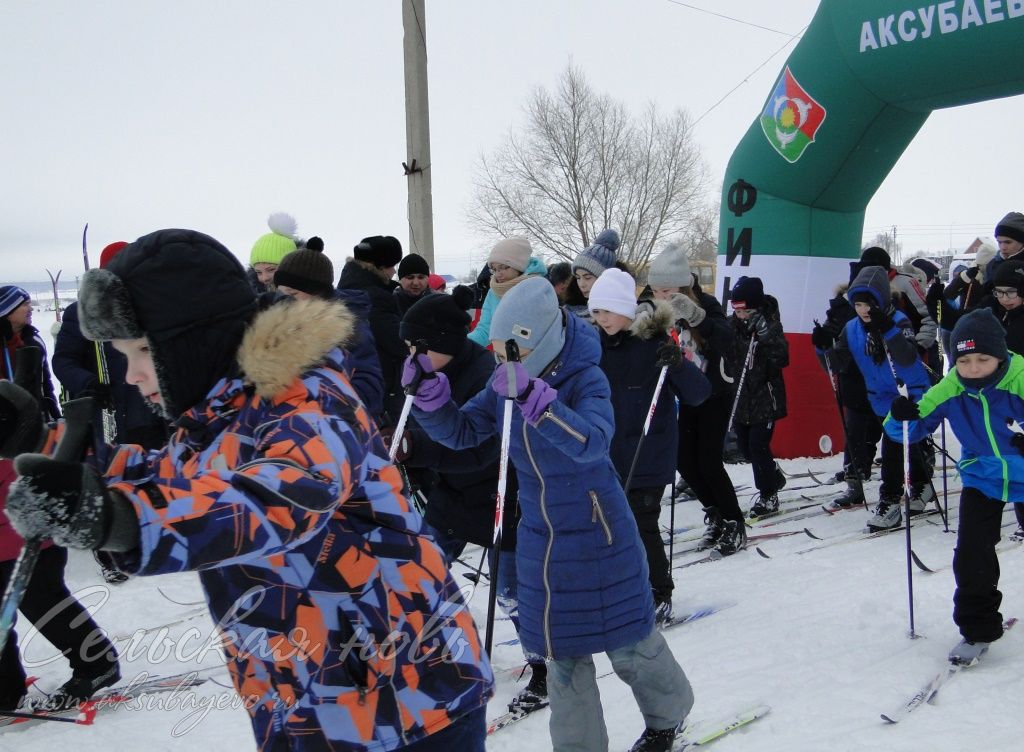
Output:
x=747 y=293
x=600 y=255
x=11 y=297
x=529 y=314
x=979 y=332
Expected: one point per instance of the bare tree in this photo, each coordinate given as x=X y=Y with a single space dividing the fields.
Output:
x=887 y=241
x=580 y=164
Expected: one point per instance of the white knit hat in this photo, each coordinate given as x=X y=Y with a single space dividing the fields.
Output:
x=614 y=291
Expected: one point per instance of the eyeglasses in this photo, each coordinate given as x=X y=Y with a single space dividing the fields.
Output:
x=1005 y=293
x=497 y=267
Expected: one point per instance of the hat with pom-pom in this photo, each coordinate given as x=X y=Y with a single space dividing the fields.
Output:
x=383 y=251
x=276 y=244
x=307 y=269
x=600 y=255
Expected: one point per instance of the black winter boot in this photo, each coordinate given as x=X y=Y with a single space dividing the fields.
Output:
x=655 y=740
x=733 y=538
x=715 y=524
x=80 y=687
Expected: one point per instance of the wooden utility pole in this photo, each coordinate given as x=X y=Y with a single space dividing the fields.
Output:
x=417 y=131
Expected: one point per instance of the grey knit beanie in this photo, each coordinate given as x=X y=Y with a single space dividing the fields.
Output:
x=670 y=268
x=529 y=314
x=600 y=255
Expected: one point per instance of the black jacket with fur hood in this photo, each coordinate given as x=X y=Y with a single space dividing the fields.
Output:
x=630 y=361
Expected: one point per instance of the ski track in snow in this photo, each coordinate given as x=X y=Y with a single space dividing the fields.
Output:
x=821 y=637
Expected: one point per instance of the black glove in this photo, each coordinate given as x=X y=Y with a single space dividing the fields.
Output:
x=934 y=300
x=669 y=355
x=70 y=503
x=1017 y=442
x=822 y=338
x=879 y=321
x=21 y=425
x=758 y=324
x=970 y=274
x=101 y=395
x=904 y=408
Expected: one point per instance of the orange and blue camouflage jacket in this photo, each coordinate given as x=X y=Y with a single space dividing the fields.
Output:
x=341 y=619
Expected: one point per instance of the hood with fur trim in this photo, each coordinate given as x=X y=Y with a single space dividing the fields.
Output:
x=653 y=318
x=290 y=338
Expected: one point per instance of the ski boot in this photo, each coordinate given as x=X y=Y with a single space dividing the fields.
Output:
x=966 y=653
x=764 y=506
x=713 y=532
x=1018 y=536
x=683 y=491
x=80 y=687
x=662 y=610
x=656 y=740
x=733 y=538
x=887 y=514
x=852 y=496
x=839 y=477
x=921 y=496
x=534 y=695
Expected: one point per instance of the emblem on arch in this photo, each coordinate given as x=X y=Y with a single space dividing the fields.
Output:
x=791 y=117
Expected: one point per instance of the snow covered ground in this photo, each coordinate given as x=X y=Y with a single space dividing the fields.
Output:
x=821 y=636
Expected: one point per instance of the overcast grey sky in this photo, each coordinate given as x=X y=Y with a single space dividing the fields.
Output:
x=139 y=114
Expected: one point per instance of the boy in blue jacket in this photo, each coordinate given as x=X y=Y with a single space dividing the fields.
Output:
x=583 y=582
x=983 y=399
x=880 y=343
x=636 y=346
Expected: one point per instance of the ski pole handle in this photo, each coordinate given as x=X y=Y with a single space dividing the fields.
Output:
x=1014 y=426
x=420 y=348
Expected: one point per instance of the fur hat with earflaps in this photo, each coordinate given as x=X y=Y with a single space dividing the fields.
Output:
x=187 y=295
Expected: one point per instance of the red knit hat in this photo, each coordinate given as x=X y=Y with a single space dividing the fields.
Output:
x=110 y=251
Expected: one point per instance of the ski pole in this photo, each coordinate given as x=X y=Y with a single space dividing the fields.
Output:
x=833 y=380
x=904 y=391
x=672 y=514
x=942 y=434
x=907 y=491
x=743 y=377
x=511 y=356
x=410 y=395
x=76 y=438
x=109 y=419
x=647 y=427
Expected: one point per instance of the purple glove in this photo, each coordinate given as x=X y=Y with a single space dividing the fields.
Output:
x=433 y=393
x=415 y=368
x=535 y=400
x=510 y=380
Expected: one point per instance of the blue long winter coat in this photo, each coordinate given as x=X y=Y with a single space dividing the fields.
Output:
x=630 y=363
x=583 y=581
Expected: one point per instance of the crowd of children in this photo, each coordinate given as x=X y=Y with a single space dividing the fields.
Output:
x=280 y=392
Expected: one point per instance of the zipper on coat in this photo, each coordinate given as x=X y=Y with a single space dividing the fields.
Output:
x=995 y=447
x=564 y=426
x=598 y=514
x=547 y=553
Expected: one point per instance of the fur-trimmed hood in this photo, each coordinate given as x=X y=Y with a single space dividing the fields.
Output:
x=290 y=338
x=653 y=318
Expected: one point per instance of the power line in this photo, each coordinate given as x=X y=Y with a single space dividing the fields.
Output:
x=730 y=18
x=747 y=77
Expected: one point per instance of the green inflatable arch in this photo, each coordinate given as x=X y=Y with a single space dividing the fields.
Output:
x=852 y=95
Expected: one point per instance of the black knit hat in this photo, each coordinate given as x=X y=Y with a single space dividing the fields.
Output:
x=382 y=251
x=413 y=264
x=748 y=292
x=438 y=320
x=307 y=269
x=979 y=332
x=1010 y=274
x=875 y=256
x=1011 y=226
x=187 y=294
